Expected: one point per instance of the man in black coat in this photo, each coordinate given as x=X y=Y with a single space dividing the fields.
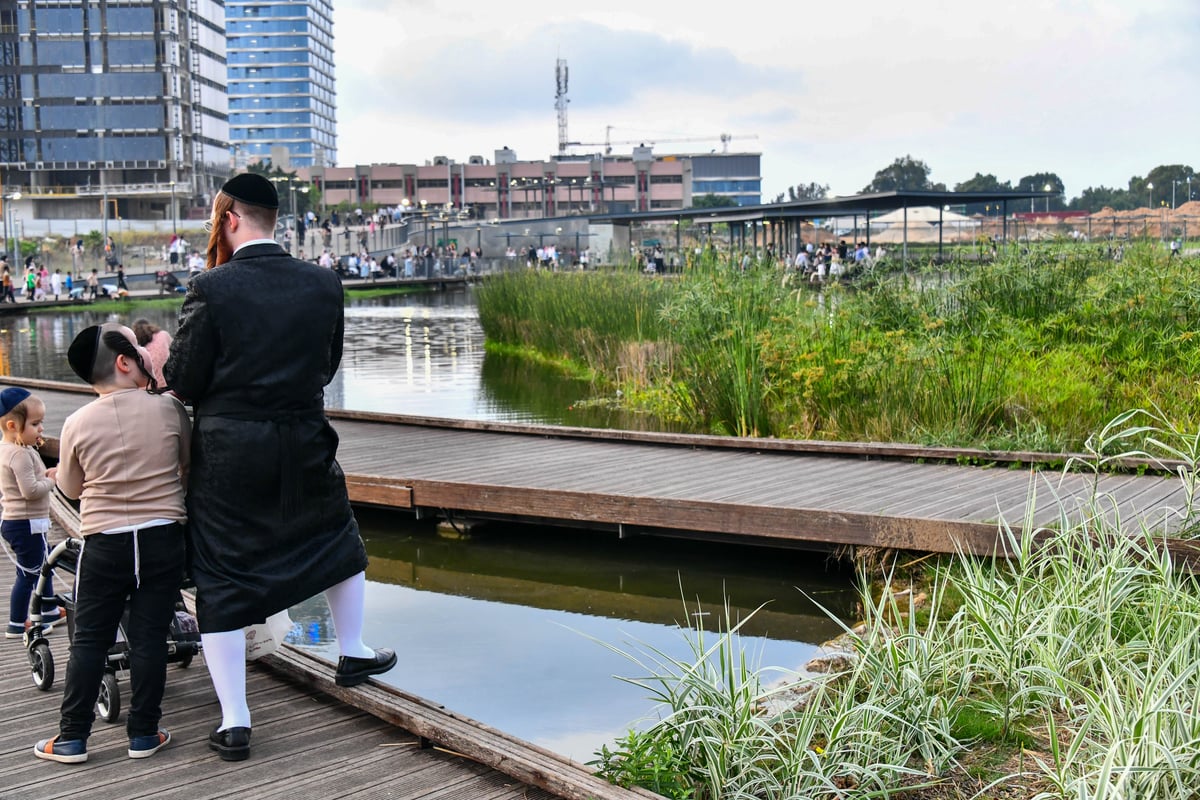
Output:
x=269 y=519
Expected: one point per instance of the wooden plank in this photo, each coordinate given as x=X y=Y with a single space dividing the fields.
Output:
x=379 y=491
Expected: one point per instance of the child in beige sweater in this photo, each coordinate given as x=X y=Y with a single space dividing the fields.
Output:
x=25 y=485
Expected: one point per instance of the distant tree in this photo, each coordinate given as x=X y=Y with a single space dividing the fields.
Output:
x=983 y=183
x=808 y=191
x=1038 y=182
x=1094 y=198
x=713 y=201
x=803 y=191
x=904 y=173
x=1171 y=178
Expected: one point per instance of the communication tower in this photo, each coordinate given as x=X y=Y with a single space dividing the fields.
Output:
x=560 y=102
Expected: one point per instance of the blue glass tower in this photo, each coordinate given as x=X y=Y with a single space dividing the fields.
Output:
x=282 y=100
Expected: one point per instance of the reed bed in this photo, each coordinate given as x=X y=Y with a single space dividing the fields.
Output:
x=1032 y=352
x=1071 y=670
x=583 y=317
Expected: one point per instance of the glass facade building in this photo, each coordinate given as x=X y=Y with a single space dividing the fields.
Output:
x=102 y=96
x=282 y=100
x=734 y=175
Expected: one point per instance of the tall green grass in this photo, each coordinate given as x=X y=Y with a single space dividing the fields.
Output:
x=586 y=317
x=1032 y=351
x=1077 y=657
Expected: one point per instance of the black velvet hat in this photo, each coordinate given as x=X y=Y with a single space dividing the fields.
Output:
x=252 y=189
x=12 y=397
x=81 y=355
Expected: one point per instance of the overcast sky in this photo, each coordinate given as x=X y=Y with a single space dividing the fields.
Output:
x=1095 y=90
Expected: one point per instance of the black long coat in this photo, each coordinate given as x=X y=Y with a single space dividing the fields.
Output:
x=269 y=520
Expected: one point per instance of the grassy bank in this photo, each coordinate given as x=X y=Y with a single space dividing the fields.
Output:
x=1069 y=671
x=1032 y=351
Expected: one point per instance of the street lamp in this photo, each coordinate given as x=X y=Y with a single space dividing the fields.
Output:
x=1047 y=188
x=9 y=224
x=1173 y=182
x=1150 y=186
x=174 y=213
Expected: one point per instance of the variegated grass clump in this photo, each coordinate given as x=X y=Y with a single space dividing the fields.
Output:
x=1077 y=656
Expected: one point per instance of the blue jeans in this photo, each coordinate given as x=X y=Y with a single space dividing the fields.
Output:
x=105 y=581
x=30 y=552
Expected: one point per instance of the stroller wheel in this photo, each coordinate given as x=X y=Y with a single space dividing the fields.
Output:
x=185 y=660
x=108 y=702
x=41 y=663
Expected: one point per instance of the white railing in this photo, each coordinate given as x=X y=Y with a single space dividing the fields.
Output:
x=124 y=189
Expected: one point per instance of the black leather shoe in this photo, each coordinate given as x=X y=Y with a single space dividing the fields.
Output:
x=353 y=671
x=233 y=744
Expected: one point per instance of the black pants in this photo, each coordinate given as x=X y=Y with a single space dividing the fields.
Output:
x=104 y=582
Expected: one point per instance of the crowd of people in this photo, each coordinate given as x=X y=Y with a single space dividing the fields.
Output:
x=819 y=262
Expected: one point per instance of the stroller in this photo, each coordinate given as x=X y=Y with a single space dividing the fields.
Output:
x=182 y=645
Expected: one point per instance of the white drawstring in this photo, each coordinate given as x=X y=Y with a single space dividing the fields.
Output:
x=33 y=573
x=137 y=555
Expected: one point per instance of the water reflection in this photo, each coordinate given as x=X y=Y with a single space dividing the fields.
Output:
x=504 y=625
x=421 y=355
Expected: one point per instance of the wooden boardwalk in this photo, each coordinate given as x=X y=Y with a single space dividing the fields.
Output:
x=312 y=741
x=777 y=492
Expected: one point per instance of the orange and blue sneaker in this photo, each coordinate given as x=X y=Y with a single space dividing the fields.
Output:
x=69 y=751
x=146 y=746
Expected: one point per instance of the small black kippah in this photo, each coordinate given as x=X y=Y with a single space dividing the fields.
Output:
x=82 y=353
x=252 y=188
x=12 y=397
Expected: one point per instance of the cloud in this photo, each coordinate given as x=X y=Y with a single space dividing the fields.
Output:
x=608 y=69
x=1095 y=90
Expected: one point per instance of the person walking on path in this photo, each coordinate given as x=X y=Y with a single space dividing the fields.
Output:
x=270 y=522
x=124 y=456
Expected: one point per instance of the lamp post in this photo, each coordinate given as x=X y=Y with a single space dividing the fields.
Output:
x=1047 y=188
x=174 y=213
x=1150 y=186
x=1173 y=182
x=9 y=223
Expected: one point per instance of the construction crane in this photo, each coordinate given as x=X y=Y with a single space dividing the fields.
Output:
x=608 y=142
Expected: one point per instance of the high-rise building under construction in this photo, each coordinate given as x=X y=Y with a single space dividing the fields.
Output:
x=112 y=107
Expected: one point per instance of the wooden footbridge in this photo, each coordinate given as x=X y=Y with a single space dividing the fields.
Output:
x=781 y=493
